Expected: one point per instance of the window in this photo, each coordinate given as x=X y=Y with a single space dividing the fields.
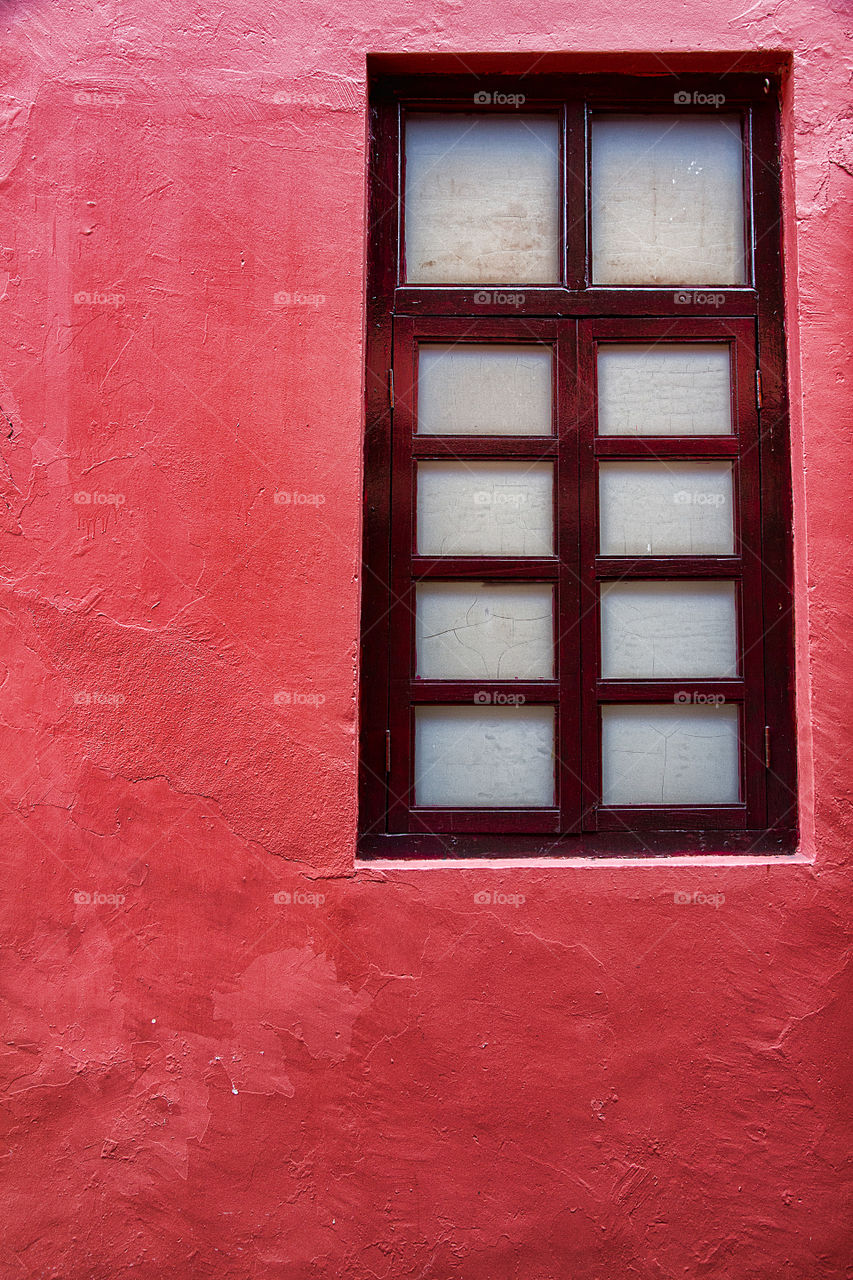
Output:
x=577 y=613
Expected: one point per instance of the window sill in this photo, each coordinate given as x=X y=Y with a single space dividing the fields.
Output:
x=652 y=849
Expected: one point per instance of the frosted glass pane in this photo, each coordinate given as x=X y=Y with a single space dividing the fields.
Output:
x=665 y=508
x=668 y=630
x=479 y=630
x=482 y=199
x=475 y=389
x=484 y=757
x=660 y=754
x=667 y=200
x=485 y=508
x=671 y=389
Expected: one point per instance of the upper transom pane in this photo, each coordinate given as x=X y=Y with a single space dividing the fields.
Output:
x=667 y=200
x=482 y=199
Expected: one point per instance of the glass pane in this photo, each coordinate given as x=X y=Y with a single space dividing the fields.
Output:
x=669 y=389
x=482 y=199
x=667 y=630
x=666 y=508
x=485 y=508
x=477 y=389
x=480 y=630
x=484 y=757
x=667 y=200
x=658 y=754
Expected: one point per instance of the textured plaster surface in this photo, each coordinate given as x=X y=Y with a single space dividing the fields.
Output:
x=226 y=1053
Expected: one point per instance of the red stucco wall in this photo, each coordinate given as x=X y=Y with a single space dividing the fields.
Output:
x=380 y=1078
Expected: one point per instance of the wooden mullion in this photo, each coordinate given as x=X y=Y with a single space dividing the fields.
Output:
x=695 y=690
x=402 y=595
x=567 y=603
x=614 y=568
x=670 y=448
x=500 y=568
x=520 y=300
x=531 y=448
x=485 y=692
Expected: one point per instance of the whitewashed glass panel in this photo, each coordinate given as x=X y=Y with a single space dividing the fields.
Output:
x=668 y=630
x=665 y=508
x=482 y=199
x=661 y=754
x=484 y=757
x=484 y=631
x=485 y=508
x=664 y=389
x=481 y=389
x=667 y=200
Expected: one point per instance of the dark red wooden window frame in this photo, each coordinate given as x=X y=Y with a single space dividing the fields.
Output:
x=573 y=317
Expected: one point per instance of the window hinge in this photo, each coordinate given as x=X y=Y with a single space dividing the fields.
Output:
x=387 y=750
x=758 y=396
x=391 y=387
x=767 y=746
